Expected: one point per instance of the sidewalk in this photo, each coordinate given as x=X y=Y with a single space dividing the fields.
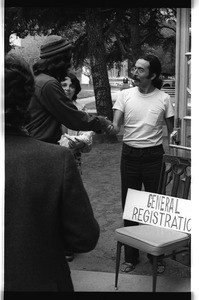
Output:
x=91 y=281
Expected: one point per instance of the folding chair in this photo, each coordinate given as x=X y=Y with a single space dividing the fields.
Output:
x=174 y=181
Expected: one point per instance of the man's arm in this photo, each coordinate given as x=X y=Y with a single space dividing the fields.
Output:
x=170 y=125
x=55 y=101
x=117 y=121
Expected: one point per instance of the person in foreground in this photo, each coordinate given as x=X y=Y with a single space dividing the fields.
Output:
x=47 y=209
x=143 y=109
x=49 y=107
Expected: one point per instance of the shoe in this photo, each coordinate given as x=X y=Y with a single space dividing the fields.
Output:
x=69 y=257
x=161 y=265
x=127 y=267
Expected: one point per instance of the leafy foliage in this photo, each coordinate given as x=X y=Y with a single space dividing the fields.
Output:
x=101 y=37
x=30 y=49
x=126 y=31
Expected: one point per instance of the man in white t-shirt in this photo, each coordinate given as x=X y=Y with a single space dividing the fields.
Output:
x=143 y=109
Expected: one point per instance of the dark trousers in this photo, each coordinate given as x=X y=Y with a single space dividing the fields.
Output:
x=139 y=166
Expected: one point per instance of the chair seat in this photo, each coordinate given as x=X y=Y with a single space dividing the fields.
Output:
x=151 y=239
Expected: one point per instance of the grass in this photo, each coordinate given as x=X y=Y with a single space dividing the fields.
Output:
x=85 y=94
x=86 y=91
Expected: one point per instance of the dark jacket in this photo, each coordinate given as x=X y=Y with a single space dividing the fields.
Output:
x=47 y=211
x=49 y=108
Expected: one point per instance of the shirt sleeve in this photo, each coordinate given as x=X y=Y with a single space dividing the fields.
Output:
x=55 y=101
x=169 y=109
x=119 y=103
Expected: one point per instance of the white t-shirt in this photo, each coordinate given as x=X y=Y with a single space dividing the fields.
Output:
x=143 y=116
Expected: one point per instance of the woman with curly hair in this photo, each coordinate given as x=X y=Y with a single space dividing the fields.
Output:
x=78 y=141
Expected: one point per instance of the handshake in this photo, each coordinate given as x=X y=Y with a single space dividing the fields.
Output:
x=107 y=126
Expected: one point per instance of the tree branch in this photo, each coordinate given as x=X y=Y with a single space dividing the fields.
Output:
x=121 y=46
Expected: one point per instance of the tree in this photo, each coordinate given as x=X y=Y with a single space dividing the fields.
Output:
x=30 y=48
x=15 y=22
x=101 y=36
x=139 y=29
x=97 y=55
x=12 y=15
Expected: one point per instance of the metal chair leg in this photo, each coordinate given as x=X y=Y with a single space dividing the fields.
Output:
x=155 y=265
x=118 y=254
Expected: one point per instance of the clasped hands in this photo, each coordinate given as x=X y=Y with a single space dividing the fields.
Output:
x=110 y=128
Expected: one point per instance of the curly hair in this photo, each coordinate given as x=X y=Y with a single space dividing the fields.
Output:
x=19 y=88
x=56 y=66
x=76 y=83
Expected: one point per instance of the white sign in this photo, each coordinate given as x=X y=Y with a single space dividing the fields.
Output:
x=158 y=210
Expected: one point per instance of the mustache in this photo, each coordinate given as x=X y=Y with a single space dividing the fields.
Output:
x=135 y=77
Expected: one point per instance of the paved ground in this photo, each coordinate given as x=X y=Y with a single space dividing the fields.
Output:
x=90 y=281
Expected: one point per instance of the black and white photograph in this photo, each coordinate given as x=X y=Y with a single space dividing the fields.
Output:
x=97 y=117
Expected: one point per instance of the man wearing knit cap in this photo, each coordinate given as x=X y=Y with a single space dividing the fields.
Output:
x=49 y=106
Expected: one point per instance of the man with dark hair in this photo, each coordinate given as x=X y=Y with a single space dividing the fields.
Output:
x=47 y=209
x=49 y=107
x=142 y=109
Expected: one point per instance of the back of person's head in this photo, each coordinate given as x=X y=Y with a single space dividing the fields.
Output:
x=154 y=67
x=19 y=88
x=75 y=81
x=55 y=57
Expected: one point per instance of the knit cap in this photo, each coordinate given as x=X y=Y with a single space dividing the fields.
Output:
x=53 y=45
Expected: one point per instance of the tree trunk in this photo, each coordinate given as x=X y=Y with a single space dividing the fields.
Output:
x=135 y=48
x=7 y=33
x=135 y=34
x=97 y=55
